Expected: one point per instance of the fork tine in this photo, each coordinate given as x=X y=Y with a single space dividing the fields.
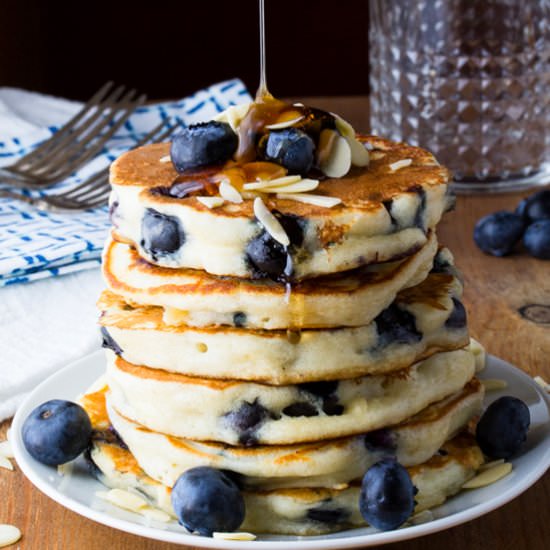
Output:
x=89 y=105
x=98 y=143
x=69 y=147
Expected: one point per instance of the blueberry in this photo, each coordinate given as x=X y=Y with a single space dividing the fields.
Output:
x=239 y=319
x=56 y=431
x=246 y=420
x=291 y=148
x=536 y=207
x=300 y=408
x=383 y=439
x=503 y=427
x=537 y=239
x=268 y=257
x=109 y=342
x=207 y=500
x=498 y=233
x=334 y=516
x=457 y=318
x=321 y=389
x=387 y=494
x=395 y=325
x=161 y=234
x=203 y=144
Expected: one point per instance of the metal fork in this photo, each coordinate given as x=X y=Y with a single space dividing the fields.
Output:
x=92 y=192
x=77 y=141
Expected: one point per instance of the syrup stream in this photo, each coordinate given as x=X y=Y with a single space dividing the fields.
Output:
x=262 y=88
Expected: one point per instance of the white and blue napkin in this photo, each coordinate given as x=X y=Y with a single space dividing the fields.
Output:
x=35 y=244
x=46 y=321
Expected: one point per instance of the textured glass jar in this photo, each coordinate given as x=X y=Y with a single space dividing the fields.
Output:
x=470 y=81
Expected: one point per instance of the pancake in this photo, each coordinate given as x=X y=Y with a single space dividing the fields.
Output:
x=300 y=511
x=195 y=298
x=422 y=320
x=249 y=413
x=320 y=464
x=384 y=215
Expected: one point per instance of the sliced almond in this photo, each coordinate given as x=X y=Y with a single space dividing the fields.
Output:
x=316 y=200
x=165 y=158
x=155 y=514
x=334 y=156
x=229 y=193
x=397 y=165
x=480 y=355
x=344 y=127
x=5 y=463
x=359 y=154
x=211 y=202
x=489 y=476
x=492 y=464
x=377 y=155
x=233 y=536
x=233 y=115
x=300 y=187
x=493 y=384
x=123 y=499
x=284 y=123
x=542 y=383
x=257 y=185
x=270 y=222
x=65 y=469
x=9 y=534
x=5 y=449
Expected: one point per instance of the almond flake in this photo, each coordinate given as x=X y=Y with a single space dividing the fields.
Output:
x=493 y=384
x=211 y=202
x=489 y=476
x=65 y=469
x=489 y=465
x=285 y=123
x=229 y=193
x=315 y=200
x=5 y=463
x=344 y=127
x=403 y=163
x=359 y=154
x=285 y=180
x=542 y=383
x=376 y=155
x=334 y=154
x=270 y=222
x=9 y=534
x=299 y=187
x=165 y=158
x=155 y=514
x=5 y=449
x=233 y=115
x=233 y=536
x=123 y=499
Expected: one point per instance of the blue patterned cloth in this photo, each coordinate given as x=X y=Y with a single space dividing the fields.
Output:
x=34 y=244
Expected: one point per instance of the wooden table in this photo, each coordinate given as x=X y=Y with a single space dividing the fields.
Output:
x=495 y=291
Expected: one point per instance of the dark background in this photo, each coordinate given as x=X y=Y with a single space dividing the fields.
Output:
x=170 y=49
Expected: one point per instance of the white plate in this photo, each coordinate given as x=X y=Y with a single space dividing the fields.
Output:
x=77 y=490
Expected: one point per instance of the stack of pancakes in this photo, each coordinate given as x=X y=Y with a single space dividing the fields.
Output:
x=297 y=389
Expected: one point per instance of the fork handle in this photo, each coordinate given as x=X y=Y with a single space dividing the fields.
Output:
x=38 y=203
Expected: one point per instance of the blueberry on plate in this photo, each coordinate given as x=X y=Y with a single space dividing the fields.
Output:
x=207 y=500
x=291 y=148
x=536 y=239
x=503 y=427
x=536 y=207
x=386 y=499
x=56 y=431
x=498 y=233
x=161 y=234
x=203 y=144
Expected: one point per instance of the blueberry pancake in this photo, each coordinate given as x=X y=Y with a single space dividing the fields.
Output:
x=320 y=464
x=299 y=511
x=384 y=213
x=422 y=320
x=249 y=413
x=195 y=298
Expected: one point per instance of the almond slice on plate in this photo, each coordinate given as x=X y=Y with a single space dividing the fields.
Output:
x=9 y=534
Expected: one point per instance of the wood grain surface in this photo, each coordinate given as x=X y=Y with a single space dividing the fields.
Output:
x=497 y=291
